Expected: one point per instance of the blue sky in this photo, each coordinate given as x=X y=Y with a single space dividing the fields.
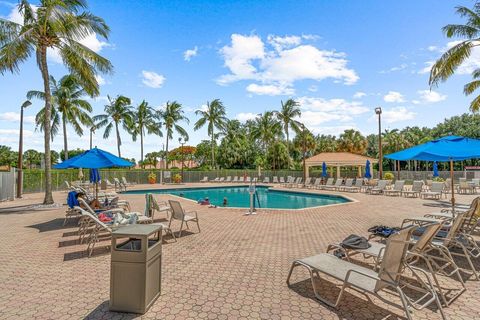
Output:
x=340 y=59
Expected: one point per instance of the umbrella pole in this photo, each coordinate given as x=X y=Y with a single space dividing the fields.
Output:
x=452 y=186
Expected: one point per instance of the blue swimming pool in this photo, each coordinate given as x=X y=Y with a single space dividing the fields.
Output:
x=239 y=197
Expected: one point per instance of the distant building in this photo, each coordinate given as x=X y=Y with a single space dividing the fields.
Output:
x=188 y=164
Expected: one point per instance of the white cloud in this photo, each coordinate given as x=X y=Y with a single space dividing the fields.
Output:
x=427 y=68
x=152 y=79
x=244 y=116
x=190 y=53
x=472 y=63
x=401 y=67
x=10 y=136
x=432 y=48
x=332 y=130
x=15 y=117
x=397 y=114
x=281 y=61
x=101 y=80
x=270 y=89
x=359 y=95
x=430 y=96
x=393 y=96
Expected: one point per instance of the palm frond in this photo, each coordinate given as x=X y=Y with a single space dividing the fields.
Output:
x=475 y=104
x=470 y=87
x=449 y=62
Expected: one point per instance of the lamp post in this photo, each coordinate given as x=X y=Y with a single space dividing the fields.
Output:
x=304 y=152
x=378 y=111
x=20 y=152
x=182 y=142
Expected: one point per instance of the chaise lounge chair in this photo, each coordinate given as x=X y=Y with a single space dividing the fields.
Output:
x=205 y=179
x=348 y=184
x=436 y=191
x=275 y=179
x=355 y=188
x=366 y=280
x=417 y=188
x=397 y=189
x=337 y=184
x=382 y=184
x=327 y=184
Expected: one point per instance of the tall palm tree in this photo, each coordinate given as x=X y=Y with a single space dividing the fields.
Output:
x=215 y=116
x=67 y=104
x=267 y=129
x=352 y=141
x=144 y=118
x=59 y=25
x=286 y=115
x=170 y=117
x=448 y=63
x=117 y=112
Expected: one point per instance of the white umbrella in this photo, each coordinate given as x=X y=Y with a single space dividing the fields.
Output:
x=80 y=174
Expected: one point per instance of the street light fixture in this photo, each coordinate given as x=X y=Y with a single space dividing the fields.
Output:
x=378 y=111
x=20 y=151
x=182 y=142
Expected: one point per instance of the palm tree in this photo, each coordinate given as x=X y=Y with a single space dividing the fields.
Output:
x=352 y=141
x=286 y=115
x=67 y=104
x=448 y=63
x=215 y=116
x=170 y=117
x=144 y=119
x=59 y=25
x=267 y=128
x=117 y=112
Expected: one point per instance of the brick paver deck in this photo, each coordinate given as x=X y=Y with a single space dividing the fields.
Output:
x=234 y=269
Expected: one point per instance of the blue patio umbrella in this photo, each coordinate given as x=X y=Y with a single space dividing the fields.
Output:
x=368 y=174
x=94 y=159
x=446 y=149
x=435 y=169
x=324 y=170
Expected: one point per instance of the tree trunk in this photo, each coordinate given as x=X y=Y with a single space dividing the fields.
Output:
x=141 y=147
x=288 y=144
x=119 y=142
x=65 y=146
x=213 y=153
x=47 y=122
x=166 y=153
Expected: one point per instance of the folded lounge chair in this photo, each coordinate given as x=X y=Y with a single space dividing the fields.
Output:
x=366 y=280
x=417 y=188
x=436 y=191
x=397 y=189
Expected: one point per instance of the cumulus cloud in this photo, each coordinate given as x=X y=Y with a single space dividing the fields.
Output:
x=270 y=89
x=393 y=96
x=280 y=61
x=427 y=67
x=332 y=130
x=244 y=116
x=430 y=96
x=397 y=114
x=359 y=95
x=190 y=53
x=152 y=79
x=15 y=117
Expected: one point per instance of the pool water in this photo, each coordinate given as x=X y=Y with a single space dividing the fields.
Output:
x=239 y=197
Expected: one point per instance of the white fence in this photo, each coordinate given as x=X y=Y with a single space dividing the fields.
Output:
x=7 y=185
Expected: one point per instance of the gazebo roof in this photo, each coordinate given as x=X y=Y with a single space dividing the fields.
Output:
x=338 y=158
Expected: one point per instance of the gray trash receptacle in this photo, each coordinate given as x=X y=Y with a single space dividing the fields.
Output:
x=136 y=267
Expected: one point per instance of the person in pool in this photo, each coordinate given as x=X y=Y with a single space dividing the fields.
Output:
x=204 y=202
x=225 y=201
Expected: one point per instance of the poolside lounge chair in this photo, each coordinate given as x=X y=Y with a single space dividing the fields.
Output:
x=295 y=182
x=366 y=280
x=217 y=179
x=327 y=184
x=436 y=191
x=397 y=189
x=275 y=179
x=119 y=185
x=266 y=180
x=355 y=188
x=205 y=179
x=179 y=214
x=315 y=184
x=282 y=180
x=415 y=191
x=229 y=179
x=109 y=184
x=465 y=187
x=248 y=179
x=125 y=182
x=382 y=184
x=348 y=184
x=308 y=182
x=152 y=205
x=337 y=184
x=222 y=179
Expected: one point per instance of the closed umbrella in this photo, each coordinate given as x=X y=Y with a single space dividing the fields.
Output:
x=80 y=174
x=446 y=149
x=324 y=170
x=368 y=174
x=95 y=178
x=435 y=169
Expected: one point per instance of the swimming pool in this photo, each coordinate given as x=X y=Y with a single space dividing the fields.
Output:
x=239 y=197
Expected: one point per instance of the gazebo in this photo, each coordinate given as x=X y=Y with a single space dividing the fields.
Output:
x=338 y=160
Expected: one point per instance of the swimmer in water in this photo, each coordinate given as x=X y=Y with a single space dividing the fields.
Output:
x=225 y=201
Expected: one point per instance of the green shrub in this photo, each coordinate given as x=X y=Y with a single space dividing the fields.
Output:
x=438 y=179
x=388 y=176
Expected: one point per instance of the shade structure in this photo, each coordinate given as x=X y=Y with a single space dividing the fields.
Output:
x=324 y=170
x=368 y=174
x=94 y=159
x=446 y=149
x=435 y=169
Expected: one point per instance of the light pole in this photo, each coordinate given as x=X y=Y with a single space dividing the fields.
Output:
x=378 y=111
x=304 y=153
x=182 y=142
x=92 y=131
x=20 y=151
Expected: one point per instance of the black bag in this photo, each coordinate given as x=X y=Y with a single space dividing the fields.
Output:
x=383 y=231
x=355 y=242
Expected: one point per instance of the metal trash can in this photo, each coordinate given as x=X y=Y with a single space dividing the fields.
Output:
x=136 y=267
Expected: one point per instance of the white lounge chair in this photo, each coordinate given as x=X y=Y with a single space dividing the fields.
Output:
x=381 y=186
x=348 y=184
x=266 y=180
x=229 y=179
x=327 y=184
x=125 y=182
x=315 y=184
x=357 y=187
x=205 y=179
x=308 y=182
x=282 y=180
x=335 y=186
x=235 y=179
x=179 y=214
x=436 y=191
x=275 y=179
x=417 y=188
x=397 y=189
